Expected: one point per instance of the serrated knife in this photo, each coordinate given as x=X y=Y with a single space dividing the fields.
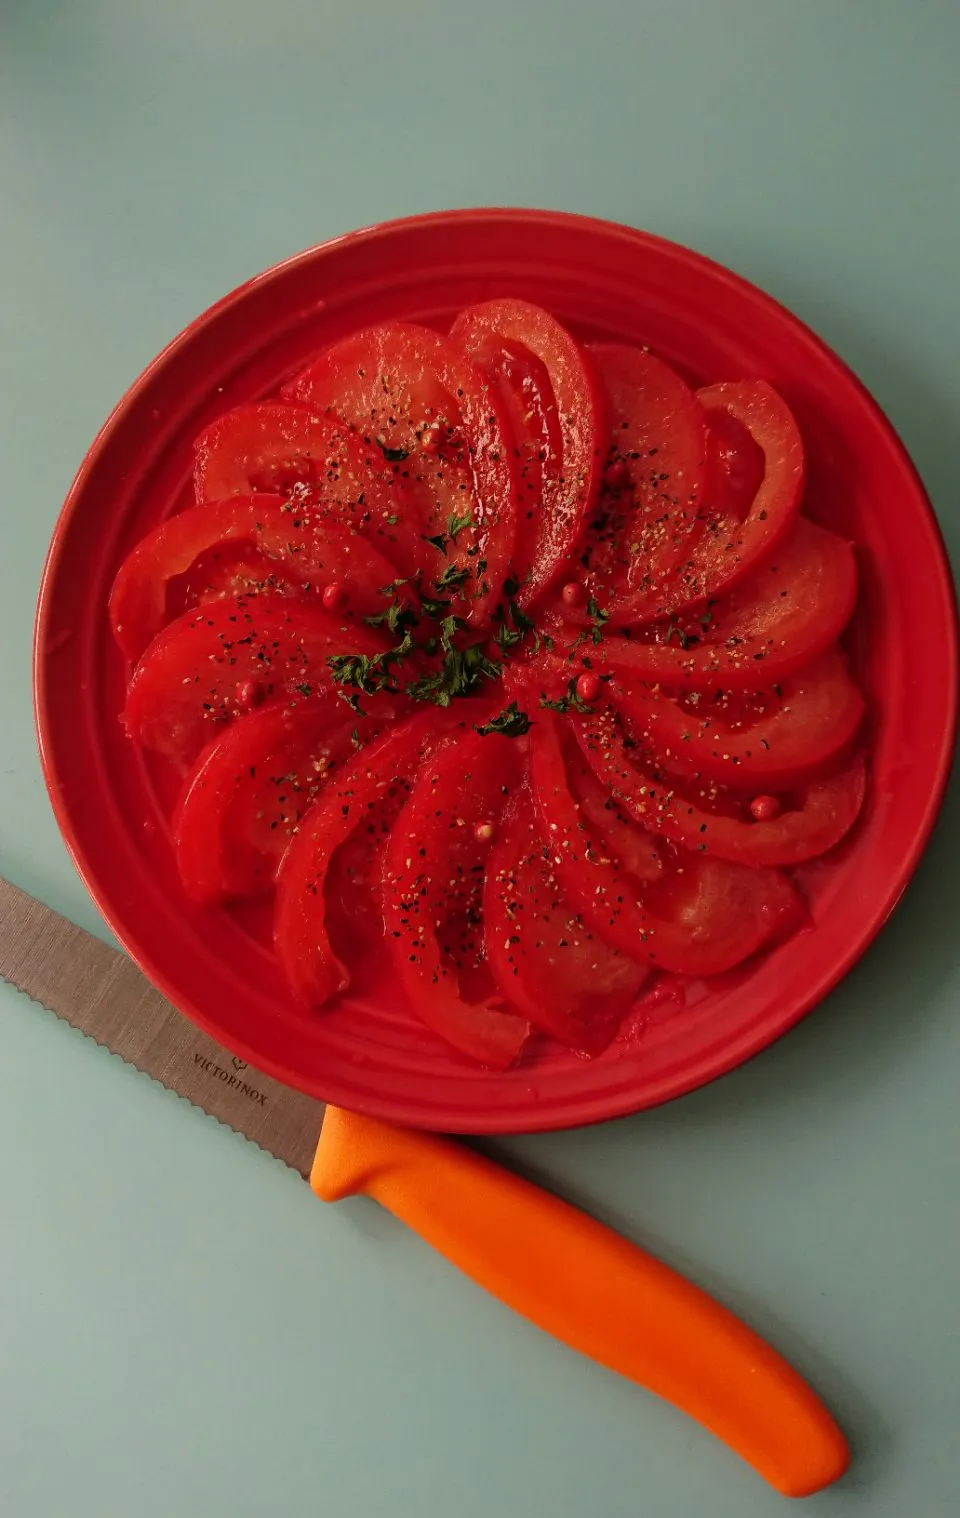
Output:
x=565 y=1272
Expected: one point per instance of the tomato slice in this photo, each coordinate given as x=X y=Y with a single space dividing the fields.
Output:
x=250 y=788
x=274 y=447
x=227 y=569
x=804 y=826
x=433 y=894
x=731 y=543
x=354 y=898
x=211 y=665
x=365 y=790
x=547 y=962
x=415 y=396
x=701 y=917
x=710 y=818
x=735 y=464
x=543 y=375
x=614 y=834
x=289 y=533
x=650 y=501
x=523 y=384
x=773 y=737
x=785 y=613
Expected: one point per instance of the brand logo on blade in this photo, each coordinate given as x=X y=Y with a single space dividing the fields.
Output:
x=230 y=1080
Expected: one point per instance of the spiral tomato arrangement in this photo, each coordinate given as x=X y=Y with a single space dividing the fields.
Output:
x=510 y=665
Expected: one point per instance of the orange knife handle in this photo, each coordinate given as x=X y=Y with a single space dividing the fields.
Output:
x=592 y=1289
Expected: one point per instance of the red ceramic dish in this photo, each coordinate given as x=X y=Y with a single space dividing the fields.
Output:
x=605 y=282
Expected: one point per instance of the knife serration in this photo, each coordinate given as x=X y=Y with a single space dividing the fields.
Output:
x=102 y=993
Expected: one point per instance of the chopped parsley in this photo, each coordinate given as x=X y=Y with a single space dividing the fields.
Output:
x=510 y=723
x=452 y=577
x=570 y=702
x=459 y=524
x=397 y=618
x=455 y=524
x=507 y=637
x=597 y=617
x=369 y=673
x=462 y=672
x=432 y=606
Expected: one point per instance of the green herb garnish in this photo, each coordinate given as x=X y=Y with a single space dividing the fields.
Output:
x=570 y=702
x=506 y=637
x=458 y=524
x=452 y=576
x=598 y=617
x=510 y=723
x=392 y=455
x=397 y=618
x=462 y=672
x=673 y=631
x=363 y=672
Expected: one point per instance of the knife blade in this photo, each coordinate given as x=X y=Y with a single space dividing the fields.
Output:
x=97 y=989
x=554 y=1265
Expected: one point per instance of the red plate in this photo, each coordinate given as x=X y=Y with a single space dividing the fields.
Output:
x=605 y=282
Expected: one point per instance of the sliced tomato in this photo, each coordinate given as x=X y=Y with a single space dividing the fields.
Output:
x=433 y=895
x=292 y=534
x=228 y=569
x=250 y=788
x=282 y=448
x=554 y=395
x=805 y=825
x=773 y=737
x=736 y=536
x=524 y=387
x=549 y=964
x=701 y=917
x=212 y=664
x=712 y=819
x=354 y=898
x=649 y=505
x=785 y=613
x=443 y=429
x=365 y=791
x=615 y=835
x=735 y=465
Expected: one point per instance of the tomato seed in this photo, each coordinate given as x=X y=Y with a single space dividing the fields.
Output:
x=573 y=594
x=588 y=686
x=617 y=474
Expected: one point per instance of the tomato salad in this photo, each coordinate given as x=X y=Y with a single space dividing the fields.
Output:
x=507 y=667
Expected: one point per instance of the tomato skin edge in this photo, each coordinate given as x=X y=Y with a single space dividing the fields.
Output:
x=463 y=777
x=312 y=969
x=775 y=907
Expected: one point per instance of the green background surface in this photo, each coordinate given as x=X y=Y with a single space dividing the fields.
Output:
x=183 y=1329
